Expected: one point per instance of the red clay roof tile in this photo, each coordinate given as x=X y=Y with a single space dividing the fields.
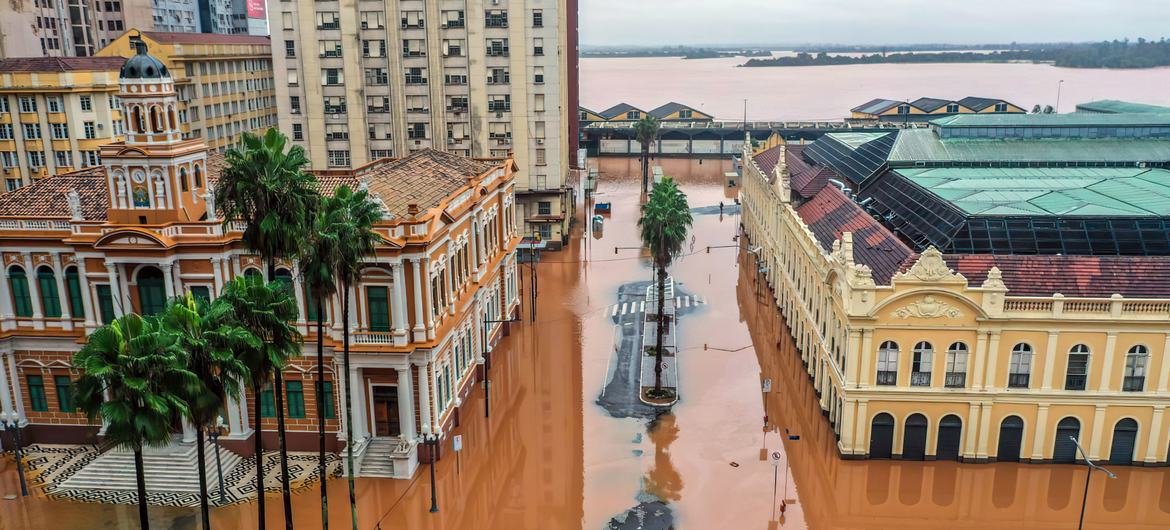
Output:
x=830 y=213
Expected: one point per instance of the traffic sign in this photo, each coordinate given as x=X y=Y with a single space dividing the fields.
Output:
x=776 y=458
x=458 y=442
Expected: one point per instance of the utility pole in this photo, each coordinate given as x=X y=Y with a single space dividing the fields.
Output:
x=1059 y=86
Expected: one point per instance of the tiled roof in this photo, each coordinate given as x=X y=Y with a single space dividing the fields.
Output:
x=766 y=160
x=977 y=104
x=424 y=178
x=618 y=110
x=668 y=109
x=163 y=37
x=830 y=213
x=875 y=106
x=930 y=104
x=46 y=197
x=1077 y=276
x=809 y=182
x=61 y=64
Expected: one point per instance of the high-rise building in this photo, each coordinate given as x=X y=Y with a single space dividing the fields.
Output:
x=357 y=82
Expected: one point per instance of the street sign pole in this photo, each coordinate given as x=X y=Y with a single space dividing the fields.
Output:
x=775 y=471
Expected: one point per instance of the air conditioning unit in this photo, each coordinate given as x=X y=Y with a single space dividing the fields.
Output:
x=335 y=116
x=365 y=25
x=450 y=141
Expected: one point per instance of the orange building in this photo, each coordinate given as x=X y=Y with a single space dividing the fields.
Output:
x=82 y=248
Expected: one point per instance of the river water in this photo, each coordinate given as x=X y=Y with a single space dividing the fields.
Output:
x=718 y=87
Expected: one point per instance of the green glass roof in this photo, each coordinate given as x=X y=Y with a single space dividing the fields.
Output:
x=856 y=139
x=923 y=145
x=1076 y=119
x=1113 y=106
x=1114 y=192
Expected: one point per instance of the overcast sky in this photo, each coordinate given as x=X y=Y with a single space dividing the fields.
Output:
x=669 y=22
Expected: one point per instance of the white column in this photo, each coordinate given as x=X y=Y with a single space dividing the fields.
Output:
x=1154 y=446
x=178 y=278
x=169 y=278
x=424 y=397
x=450 y=289
x=62 y=294
x=5 y=392
x=14 y=377
x=420 y=331
x=358 y=395
x=235 y=420
x=431 y=306
x=1098 y=430
x=86 y=295
x=217 y=282
x=353 y=313
x=7 y=317
x=474 y=254
x=1049 y=361
x=990 y=376
x=299 y=293
x=398 y=304
x=34 y=290
x=1164 y=366
x=406 y=402
x=188 y=432
x=115 y=289
x=436 y=412
x=1107 y=364
x=1040 y=426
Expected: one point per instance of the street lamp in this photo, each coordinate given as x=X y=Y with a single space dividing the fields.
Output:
x=214 y=435
x=11 y=420
x=487 y=382
x=432 y=442
x=1088 y=476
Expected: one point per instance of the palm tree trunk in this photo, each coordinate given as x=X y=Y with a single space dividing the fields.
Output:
x=321 y=414
x=259 y=456
x=645 y=167
x=285 y=488
x=348 y=404
x=140 y=475
x=201 y=458
x=659 y=332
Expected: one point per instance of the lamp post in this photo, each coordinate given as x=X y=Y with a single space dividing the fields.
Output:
x=1059 y=86
x=11 y=420
x=214 y=435
x=487 y=382
x=432 y=441
x=1091 y=467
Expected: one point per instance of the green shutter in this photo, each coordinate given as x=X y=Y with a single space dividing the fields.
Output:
x=202 y=292
x=295 y=393
x=152 y=297
x=378 y=303
x=64 y=393
x=310 y=305
x=267 y=403
x=73 y=283
x=105 y=298
x=50 y=298
x=36 y=393
x=21 y=301
x=325 y=399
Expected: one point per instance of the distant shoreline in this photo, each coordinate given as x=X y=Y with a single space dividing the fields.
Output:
x=1116 y=54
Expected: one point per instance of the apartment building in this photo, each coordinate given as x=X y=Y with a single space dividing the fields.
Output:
x=362 y=81
x=224 y=82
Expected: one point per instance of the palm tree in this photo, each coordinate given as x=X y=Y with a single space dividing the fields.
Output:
x=646 y=131
x=207 y=333
x=267 y=311
x=268 y=189
x=354 y=215
x=666 y=218
x=138 y=364
x=318 y=264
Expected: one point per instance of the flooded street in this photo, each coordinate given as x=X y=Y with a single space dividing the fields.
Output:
x=551 y=457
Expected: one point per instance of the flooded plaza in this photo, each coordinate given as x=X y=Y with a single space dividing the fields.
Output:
x=552 y=457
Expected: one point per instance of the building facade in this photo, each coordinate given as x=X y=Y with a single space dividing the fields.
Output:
x=926 y=109
x=360 y=82
x=977 y=357
x=83 y=248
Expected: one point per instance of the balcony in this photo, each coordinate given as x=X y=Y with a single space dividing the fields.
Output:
x=919 y=378
x=956 y=380
x=887 y=378
x=373 y=337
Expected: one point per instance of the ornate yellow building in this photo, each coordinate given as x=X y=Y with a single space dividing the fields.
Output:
x=79 y=249
x=976 y=357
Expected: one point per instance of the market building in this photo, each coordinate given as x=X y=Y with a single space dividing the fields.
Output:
x=926 y=109
x=82 y=248
x=982 y=289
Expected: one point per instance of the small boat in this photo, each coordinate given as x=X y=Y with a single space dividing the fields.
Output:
x=601 y=207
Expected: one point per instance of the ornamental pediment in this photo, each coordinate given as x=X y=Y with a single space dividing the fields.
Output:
x=132 y=239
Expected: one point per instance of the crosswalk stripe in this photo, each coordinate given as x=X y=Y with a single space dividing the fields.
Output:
x=642 y=308
x=623 y=309
x=614 y=312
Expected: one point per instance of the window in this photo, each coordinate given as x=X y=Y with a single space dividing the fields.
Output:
x=540 y=157
x=416 y=103
x=64 y=393
x=538 y=130
x=331 y=76
x=290 y=49
x=325 y=398
x=32 y=131
x=105 y=303
x=500 y=103
x=685 y=114
x=921 y=364
x=498 y=76
x=633 y=115
x=329 y=48
x=89 y=130
x=495 y=18
x=537 y=18
x=294 y=78
x=298 y=132
x=86 y=104
x=1001 y=107
x=956 y=376
x=336 y=131
x=538 y=46
x=544 y=208
x=28 y=104
x=1135 y=369
x=373 y=19
x=63 y=158
x=267 y=403
x=416 y=76
x=90 y=158
x=9 y=159
x=453 y=19
x=294 y=104
x=338 y=158
x=452 y=47
x=378 y=302
x=4 y=104
x=5 y=131
x=36 y=159
x=374 y=48
x=286 y=20
x=903 y=109
x=454 y=76
x=457 y=103
x=377 y=76
x=887 y=365
x=416 y=131
x=60 y=131
x=53 y=103
x=952 y=108
x=538 y=75
x=1020 y=366
x=538 y=102
x=335 y=105
x=328 y=20
x=497 y=47
x=412 y=19
x=201 y=292
x=295 y=394
x=36 y=393
x=50 y=298
x=1077 y=375
x=377 y=104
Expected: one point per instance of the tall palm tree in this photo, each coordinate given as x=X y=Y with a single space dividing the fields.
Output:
x=353 y=220
x=666 y=218
x=208 y=334
x=318 y=265
x=646 y=131
x=266 y=187
x=138 y=363
x=266 y=310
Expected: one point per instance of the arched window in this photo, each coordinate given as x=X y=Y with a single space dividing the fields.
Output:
x=914 y=438
x=1135 y=369
x=887 y=365
x=881 y=436
x=155 y=120
x=18 y=284
x=136 y=119
x=198 y=177
x=73 y=285
x=921 y=364
x=284 y=276
x=950 y=434
x=183 y=179
x=1011 y=437
x=1020 y=366
x=956 y=366
x=50 y=298
x=152 y=297
x=171 y=117
x=1124 y=442
x=1077 y=375
x=252 y=272
x=1064 y=449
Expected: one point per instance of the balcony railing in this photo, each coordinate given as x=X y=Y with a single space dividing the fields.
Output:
x=33 y=224
x=373 y=337
x=956 y=380
x=887 y=378
x=919 y=378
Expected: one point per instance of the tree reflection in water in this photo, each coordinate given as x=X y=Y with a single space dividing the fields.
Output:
x=663 y=480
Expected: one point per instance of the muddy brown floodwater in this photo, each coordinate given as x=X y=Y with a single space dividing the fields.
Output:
x=551 y=458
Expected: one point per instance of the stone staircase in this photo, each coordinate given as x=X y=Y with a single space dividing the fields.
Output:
x=167 y=469
x=378 y=460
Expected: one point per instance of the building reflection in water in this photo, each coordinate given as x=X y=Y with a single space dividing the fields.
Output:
x=837 y=493
x=663 y=480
